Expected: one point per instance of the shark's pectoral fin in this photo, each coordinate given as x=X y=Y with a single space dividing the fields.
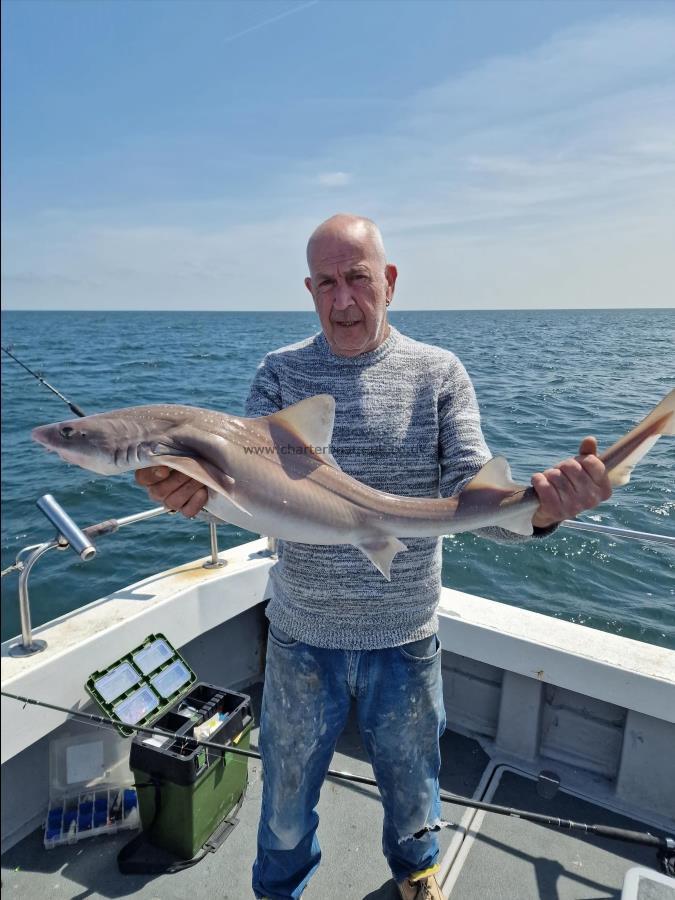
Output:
x=520 y=522
x=496 y=473
x=486 y=493
x=208 y=474
x=381 y=551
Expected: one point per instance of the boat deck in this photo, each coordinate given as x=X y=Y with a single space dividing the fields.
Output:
x=499 y=858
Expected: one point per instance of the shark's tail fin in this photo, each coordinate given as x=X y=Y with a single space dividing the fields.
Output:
x=622 y=457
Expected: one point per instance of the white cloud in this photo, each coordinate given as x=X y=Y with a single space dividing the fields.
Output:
x=570 y=69
x=334 y=179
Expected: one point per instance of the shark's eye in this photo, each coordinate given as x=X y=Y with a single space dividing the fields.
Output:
x=67 y=431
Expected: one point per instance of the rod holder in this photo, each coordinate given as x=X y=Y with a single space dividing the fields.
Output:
x=72 y=534
x=68 y=535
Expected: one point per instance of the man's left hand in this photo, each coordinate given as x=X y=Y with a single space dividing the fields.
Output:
x=571 y=487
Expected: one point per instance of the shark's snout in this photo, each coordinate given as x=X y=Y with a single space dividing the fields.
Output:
x=41 y=435
x=57 y=435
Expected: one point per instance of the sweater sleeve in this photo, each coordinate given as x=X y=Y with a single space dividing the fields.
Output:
x=462 y=447
x=264 y=396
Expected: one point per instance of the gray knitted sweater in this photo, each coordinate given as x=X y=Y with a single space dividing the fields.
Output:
x=406 y=421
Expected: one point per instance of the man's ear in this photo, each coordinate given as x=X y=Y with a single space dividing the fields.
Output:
x=391 y=274
x=308 y=285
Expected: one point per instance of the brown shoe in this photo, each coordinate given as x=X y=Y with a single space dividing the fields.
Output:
x=425 y=888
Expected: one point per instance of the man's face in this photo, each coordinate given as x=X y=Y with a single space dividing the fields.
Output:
x=350 y=284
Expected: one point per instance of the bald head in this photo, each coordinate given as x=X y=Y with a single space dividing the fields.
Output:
x=346 y=229
x=351 y=283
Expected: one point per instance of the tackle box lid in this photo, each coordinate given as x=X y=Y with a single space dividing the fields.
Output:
x=81 y=762
x=140 y=686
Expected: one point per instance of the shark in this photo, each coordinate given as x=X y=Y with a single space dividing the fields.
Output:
x=275 y=474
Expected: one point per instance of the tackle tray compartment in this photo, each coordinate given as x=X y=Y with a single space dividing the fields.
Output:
x=137 y=688
x=182 y=759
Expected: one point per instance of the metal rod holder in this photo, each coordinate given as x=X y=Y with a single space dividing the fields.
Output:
x=29 y=645
x=69 y=535
x=72 y=534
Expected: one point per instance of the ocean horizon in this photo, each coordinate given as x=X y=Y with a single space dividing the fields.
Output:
x=392 y=312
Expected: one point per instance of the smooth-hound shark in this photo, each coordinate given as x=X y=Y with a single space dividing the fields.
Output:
x=275 y=476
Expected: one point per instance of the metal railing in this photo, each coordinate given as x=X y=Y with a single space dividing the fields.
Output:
x=69 y=535
x=619 y=532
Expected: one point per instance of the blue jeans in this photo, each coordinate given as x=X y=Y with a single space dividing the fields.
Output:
x=306 y=700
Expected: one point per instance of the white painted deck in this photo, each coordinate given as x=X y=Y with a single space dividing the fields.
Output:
x=526 y=691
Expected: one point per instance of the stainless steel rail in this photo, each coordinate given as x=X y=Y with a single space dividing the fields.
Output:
x=619 y=532
x=69 y=535
x=141 y=516
x=214 y=562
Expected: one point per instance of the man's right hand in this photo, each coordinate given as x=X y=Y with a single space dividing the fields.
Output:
x=175 y=490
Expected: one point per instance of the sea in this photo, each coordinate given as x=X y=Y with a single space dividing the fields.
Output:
x=544 y=380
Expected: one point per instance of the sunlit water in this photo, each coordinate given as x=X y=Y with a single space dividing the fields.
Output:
x=544 y=380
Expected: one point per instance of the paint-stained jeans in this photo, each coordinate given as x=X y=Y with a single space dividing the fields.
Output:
x=306 y=700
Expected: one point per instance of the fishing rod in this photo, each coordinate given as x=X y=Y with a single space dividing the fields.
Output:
x=73 y=406
x=666 y=845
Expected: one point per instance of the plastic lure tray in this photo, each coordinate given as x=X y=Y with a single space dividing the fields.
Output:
x=104 y=811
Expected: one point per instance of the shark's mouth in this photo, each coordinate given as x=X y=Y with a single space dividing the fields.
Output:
x=70 y=456
x=75 y=458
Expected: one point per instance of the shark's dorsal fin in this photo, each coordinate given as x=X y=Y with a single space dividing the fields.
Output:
x=310 y=422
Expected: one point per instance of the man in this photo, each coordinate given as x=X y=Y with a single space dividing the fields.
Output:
x=406 y=422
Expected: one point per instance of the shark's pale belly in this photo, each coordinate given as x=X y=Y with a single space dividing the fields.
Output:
x=341 y=522
x=286 y=524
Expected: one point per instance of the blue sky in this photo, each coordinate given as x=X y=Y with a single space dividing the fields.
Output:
x=176 y=155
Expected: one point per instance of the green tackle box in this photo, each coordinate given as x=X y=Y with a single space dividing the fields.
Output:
x=185 y=790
